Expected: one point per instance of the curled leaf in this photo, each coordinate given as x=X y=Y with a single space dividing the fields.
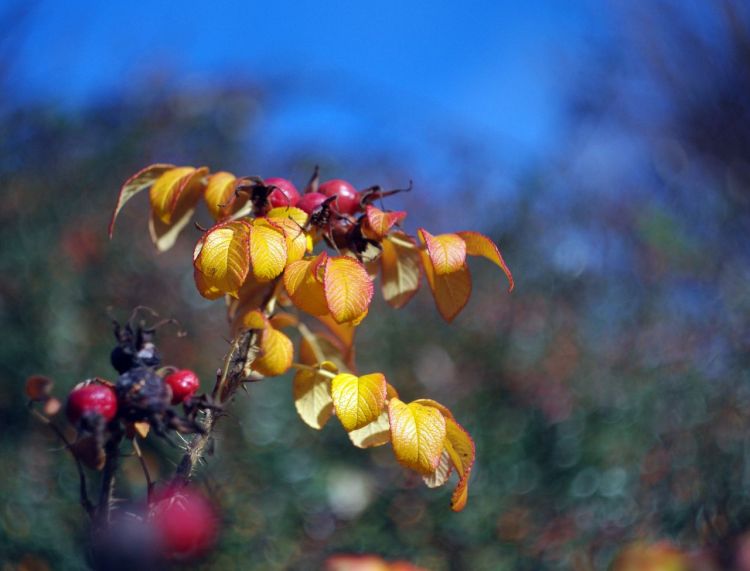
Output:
x=479 y=245
x=460 y=447
x=451 y=291
x=447 y=252
x=443 y=472
x=379 y=223
x=220 y=197
x=401 y=274
x=358 y=401
x=176 y=191
x=138 y=182
x=348 y=288
x=312 y=395
x=417 y=435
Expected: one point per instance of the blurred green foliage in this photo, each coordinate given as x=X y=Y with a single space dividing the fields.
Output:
x=608 y=395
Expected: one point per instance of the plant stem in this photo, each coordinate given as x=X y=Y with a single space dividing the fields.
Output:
x=111 y=462
x=235 y=371
x=83 y=489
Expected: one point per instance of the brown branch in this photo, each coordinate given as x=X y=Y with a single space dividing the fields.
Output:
x=144 y=467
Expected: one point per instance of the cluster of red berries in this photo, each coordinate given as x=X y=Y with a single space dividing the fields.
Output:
x=347 y=198
x=97 y=399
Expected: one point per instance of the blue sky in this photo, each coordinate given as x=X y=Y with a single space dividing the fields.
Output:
x=495 y=70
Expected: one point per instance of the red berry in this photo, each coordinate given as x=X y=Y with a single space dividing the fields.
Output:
x=347 y=197
x=284 y=195
x=91 y=398
x=184 y=384
x=310 y=201
x=185 y=521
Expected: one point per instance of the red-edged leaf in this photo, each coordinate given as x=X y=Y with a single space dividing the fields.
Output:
x=175 y=192
x=379 y=223
x=138 y=182
x=447 y=252
x=417 y=435
x=479 y=245
x=460 y=447
x=451 y=291
x=348 y=288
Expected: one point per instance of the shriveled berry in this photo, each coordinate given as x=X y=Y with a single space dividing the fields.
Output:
x=91 y=398
x=310 y=201
x=185 y=522
x=285 y=193
x=184 y=384
x=347 y=197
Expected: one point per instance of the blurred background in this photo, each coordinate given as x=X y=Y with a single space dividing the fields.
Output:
x=604 y=145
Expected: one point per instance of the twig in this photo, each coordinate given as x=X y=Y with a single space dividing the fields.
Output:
x=112 y=455
x=234 y=371
x=144 y=467
x=83 y=488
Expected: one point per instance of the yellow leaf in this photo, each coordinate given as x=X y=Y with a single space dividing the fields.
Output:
x=223 y=256
x=451 y=291
x=317 y=348
x=460 y=448
x=462 y=451
x=348 y=288
x=283 y=320
x=267 y=250
x=289 y=212
x=447 y=252
x=305 y=291
x=220 y=197
x=297 y=241
x=344 y=332
x=206 y=290
x=378 y=432
x=443 y=472
x=175 y=192
x=417 y=435
x=401 y=274
x=379 y=223
x=163 y=235
x=358 y=401
x=312 y=396
x=480 y=245
x=254 y=320
x=251 y=296
x=276 y=353
x=138 y=182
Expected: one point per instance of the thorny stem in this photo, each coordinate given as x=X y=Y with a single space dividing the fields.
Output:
x=234 y=372
x=85 y=501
